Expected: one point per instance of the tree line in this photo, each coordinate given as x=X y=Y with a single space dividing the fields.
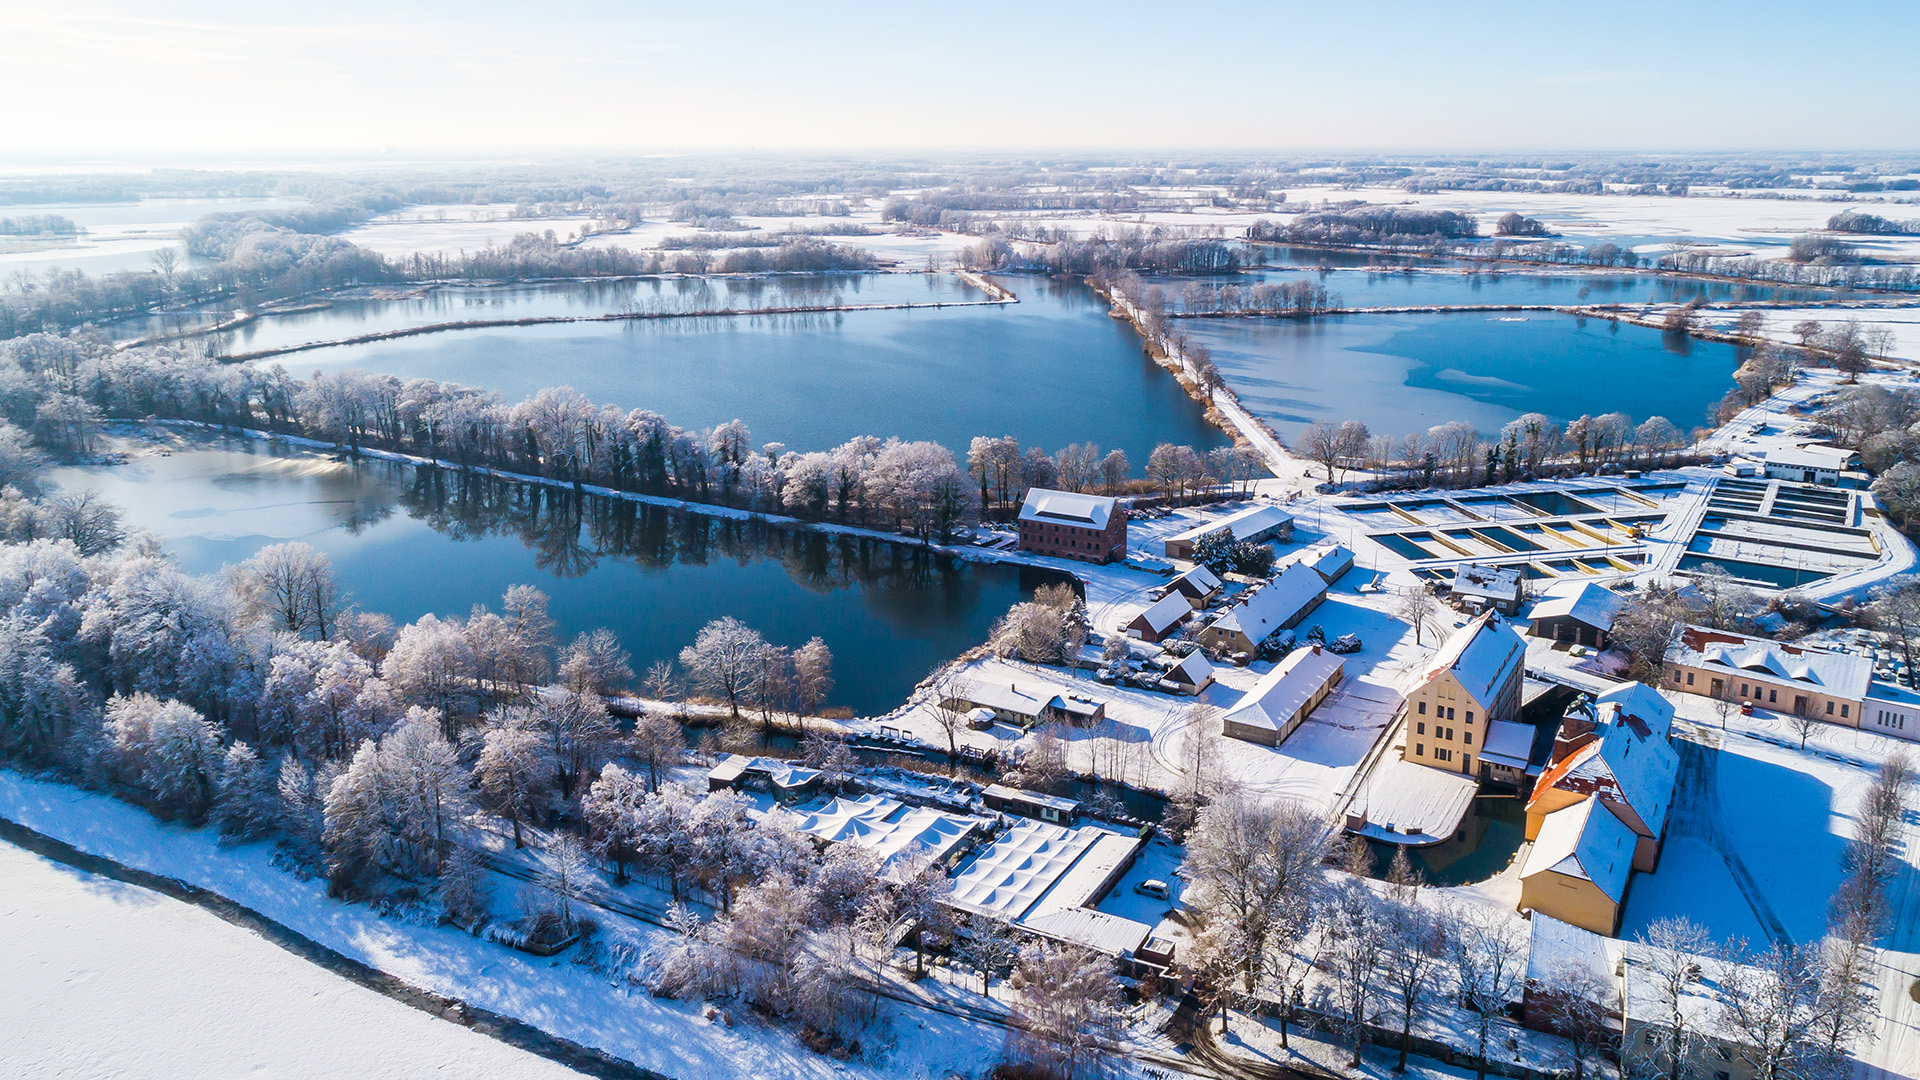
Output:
x=1456 y=454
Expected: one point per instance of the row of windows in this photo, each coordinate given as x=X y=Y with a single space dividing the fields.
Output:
x=1441 y=753
x=1752 y=691
x=1441 y=713
x=1442 y=733
x=1894 y=720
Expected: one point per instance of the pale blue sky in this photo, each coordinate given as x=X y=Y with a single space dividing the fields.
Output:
x=193 y=77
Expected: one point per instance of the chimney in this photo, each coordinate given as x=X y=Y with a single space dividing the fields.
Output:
x=1316 y=650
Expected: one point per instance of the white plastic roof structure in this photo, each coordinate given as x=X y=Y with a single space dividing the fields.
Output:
x=889 y=827
x=1585 y=841
x=1067 y=508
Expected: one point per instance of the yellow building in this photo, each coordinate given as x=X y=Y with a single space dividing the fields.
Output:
x=1473 y=680
x=1771 y=675
x=1615 y=748
x=1579 y=867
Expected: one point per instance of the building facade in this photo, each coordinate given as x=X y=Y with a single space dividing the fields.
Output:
x=1473 y=680
x=1768 y=674
x=1070 y=525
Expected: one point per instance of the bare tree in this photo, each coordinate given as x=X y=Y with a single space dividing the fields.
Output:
x=723 y=660
x=946 y=701
x=1673 y=947
x=1775 y=999
x=1069 y=1015
x=1418 y=608
x=1579 y=1003
x=1355 y=954
x=1489 y=963
x=1252 y=864
x=290 y=586
x=1416 y=944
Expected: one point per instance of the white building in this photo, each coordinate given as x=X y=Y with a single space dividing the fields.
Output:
x=1254 y=524
x=1813 y=463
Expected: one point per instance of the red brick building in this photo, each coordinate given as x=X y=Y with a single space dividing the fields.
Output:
x=1090 y=528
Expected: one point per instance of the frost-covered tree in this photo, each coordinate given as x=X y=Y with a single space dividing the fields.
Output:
x=812 y=675
x=594 y=663
x=1488 y=949
x=611 y=807
x=1250 y=860
x=432 y=665
x=1416 y=948
x=1068 y=1013
x=722 y=660
x=246 y=802
x=289 y=587
x=577 y=731
x=565 y=875
x=428 y=786
x=722 y=844
x=657 y=744
x=321 y=697
x=668 y=833
x=1355 y=952
x=172 y=750
x=512 y=772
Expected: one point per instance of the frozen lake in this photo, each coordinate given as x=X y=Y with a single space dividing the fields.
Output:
x=1407 y=373
x=408 y=542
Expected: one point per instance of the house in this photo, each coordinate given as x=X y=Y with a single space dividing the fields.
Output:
x=782 y=778
x=1579 y=867
x=1813 y=463
x=1583 y=616
x=898 y=833
x=1330 y=561
x=1472 y=681
x=1282 y=699
x=1626 y=761
x=1199 y=585
x=1774 y=675
x=1632 y=1011
x=1070 y=525
x=1162 y=617
x=1273 y=607
x=1044 y=881
x=1190 y=676
x=1252 y=525
x=1481 y=588
x=1029 y=804
x=1026 y=706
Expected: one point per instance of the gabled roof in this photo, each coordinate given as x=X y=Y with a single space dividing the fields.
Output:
x=1193 y=669
x=1198 y=581
x=1837 y=674
x=1249 y=522
x=1637 y=705
x=1164 y=614
x=1591 y=603
x=1067 y=508
x=1482 y=655
x=1585 y=841
x=1010 y=697
x=1328 y=560
x=1259 y=614
x=1281 y=692
x=1812 y=456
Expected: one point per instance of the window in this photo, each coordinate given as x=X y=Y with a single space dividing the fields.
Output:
x=1449 y=712
x=1843 y=712
x=1689 y=678
x=1466 y=763
x=1423 y=708
x=1744 y=692
x=1419 y=749
x=1469 y=716
x=1773 y=697
x=1829 y=708
x=1420 y=728
x=1468 y=738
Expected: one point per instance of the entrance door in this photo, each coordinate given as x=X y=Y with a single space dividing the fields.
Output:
x=1799 y=705
x=1718 y=685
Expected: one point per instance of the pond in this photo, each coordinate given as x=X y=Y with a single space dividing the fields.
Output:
x=1492 y=834
x=1406 y=373
x=1051 y=370
x=407 y=542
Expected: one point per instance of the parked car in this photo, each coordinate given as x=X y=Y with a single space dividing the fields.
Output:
x=1153 y=887
x=1746 y=708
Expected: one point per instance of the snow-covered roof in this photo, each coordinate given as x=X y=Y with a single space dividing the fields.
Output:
x=1482 y=655
x=1193 y=669
x=1252 y=521
x=1486 y=582
x=1281 y=692
x=1812 y=456
x=1405 y=803
x=1040 y=869
x=1585 y=841
x=1836 y=674
x=1067 y=508
x=1508 y=743
x=1555 y=947
x=1636 y=705
x=1267 y=608
x=1031 y=798
x=889 y=827
x=1091 y=928
x=1328 y=560
x=1590 y=603
x=782 y=774
x=1164 y=614
x=1010 y=697
x=1198 y=581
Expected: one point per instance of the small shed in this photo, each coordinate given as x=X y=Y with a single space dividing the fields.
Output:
x=782 y=778
x=1190 y=676
x=1030 y=804
x=1161 y=618
x=1199 y=585
x=1582 y=616
x=1330 y=561
x=1481 y=587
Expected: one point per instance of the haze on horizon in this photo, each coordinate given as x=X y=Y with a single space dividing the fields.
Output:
x=109 y=80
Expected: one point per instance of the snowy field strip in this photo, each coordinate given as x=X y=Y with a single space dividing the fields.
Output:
x=109 y=979
x=554 y=995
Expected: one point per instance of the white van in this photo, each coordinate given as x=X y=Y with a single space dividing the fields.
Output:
x=1153 y=887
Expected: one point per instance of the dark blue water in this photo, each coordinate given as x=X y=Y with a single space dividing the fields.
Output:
x=1408 y=373
x=409 y=542
x=1051 y=370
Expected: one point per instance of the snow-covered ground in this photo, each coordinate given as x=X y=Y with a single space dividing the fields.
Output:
x=1903 y=322
x=109 y=979
x=565 y=999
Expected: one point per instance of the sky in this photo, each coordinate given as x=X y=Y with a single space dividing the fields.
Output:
x=103 y=80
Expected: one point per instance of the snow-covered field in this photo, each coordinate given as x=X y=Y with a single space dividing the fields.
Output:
x=109 y=979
